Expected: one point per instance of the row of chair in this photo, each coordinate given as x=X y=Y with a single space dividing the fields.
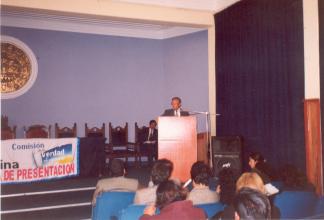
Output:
x=118 y=205
x=117 y=147
x=292 y=205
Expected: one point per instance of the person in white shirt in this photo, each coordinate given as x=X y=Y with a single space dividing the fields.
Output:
x=161 y=171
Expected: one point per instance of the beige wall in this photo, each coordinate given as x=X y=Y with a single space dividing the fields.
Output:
x=311 y=49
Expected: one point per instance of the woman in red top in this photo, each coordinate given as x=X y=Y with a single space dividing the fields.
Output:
x=171 y=200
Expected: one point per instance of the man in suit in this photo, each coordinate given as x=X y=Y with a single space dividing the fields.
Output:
x=176 y=109
x=149 y=141
x=117 y=181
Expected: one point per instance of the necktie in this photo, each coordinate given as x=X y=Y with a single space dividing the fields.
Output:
x=150 y=134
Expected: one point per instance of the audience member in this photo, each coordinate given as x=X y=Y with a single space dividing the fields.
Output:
x=250 y=180
x=161 y=171
x=200 y=175
x=294 y=179
x=227 y=185
x=259 y=165
x=172 y=203
x=251 y=204
x=117 y=181
x=253 y=181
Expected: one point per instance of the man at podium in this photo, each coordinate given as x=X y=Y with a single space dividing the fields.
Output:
x=176 y=108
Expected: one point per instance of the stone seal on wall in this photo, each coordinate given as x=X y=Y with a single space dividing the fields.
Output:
x=18 y=67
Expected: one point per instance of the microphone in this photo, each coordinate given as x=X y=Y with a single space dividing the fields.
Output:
x=198 y=112
x=201 y=113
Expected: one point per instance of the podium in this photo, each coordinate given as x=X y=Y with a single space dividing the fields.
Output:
x=177 y=142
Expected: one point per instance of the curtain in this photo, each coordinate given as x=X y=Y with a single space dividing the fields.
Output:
x=260 y=78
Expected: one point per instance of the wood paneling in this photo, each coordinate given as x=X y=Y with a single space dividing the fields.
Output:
x=178 y=143
x=313 y=143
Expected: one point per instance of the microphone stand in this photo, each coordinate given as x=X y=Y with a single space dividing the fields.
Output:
x=208 y=132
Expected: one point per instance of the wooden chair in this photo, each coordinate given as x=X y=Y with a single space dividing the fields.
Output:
x=4 y=121
x=37 y=131
x=95 y=131
x=139 y=141
x=8 y=133
x=65 y=132
x=118 y=146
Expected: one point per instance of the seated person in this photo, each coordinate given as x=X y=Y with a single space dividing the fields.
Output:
x=227 y=185
x=200 y=175
x=171 y=200
x=161 y=171
x=253 y=181
x=149 y=138
x=259 y=165
x=251 y=204
x=118 y=181
x=294 y=179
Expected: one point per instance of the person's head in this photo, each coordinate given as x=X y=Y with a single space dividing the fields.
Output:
x=161 y=171
x=250 y=180
x=255 y=159
x=227 y=183
x=200 y=173
x=153 y=124
x=251 y=204
x=176 y=103
x=169 y=192
x=117 y=167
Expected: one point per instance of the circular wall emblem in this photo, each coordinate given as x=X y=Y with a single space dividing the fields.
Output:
x=18 y=67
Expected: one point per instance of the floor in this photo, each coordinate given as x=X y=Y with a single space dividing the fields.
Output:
x=70 y=200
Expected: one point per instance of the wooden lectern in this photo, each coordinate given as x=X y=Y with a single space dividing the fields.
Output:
x=178 y=143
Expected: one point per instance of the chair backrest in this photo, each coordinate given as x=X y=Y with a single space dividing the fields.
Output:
x=109 y=204
x=132 y=212
x=118 y=136
x=95 y=131
x=65 y=132
x=211 y=208
x=138 y=133
x=4 y=121
x=8 y=133
x=295 y=204
x=37 y=131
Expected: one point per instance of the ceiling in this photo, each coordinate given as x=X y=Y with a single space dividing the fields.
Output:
x=204 y=5
x=14 y=17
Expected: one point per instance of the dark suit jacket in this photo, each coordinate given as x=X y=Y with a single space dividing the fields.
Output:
x=170 y=112
x=145 y=134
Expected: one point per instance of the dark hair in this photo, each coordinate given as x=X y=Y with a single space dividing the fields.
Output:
x=257 y=157
x=176 y=98
x=252 y=204
x=161 y=171
x=266 y=172
x=152 y=121
x=227 y=181
x=200 y=173
x=169 y=192
x=117 y=167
